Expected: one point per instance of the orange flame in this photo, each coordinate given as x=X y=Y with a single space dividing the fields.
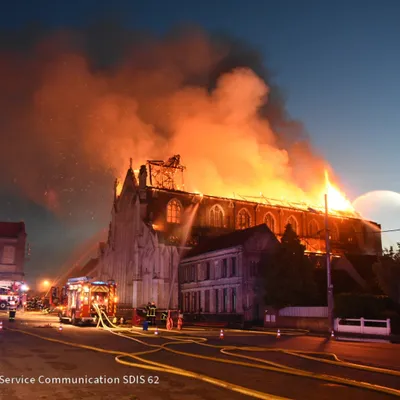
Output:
x=119 y=187
x=336 y=199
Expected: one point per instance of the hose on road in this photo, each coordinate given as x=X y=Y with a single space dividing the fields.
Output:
x=272 y=366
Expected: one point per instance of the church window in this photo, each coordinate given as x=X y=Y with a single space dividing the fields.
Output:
x=244 y=219
x=334 y=232
x=293 y=222
x=269 y=220
x=174 y=211
x=313 y=228
x=217 y=216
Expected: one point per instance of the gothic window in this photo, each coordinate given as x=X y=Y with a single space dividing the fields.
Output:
x=174 y=211
x=334 y=232
x=269 y=220
x=244 y=219
x=313 y=228
x=293 y=222
x=217 y=216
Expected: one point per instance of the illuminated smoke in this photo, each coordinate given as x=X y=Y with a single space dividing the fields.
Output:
x=74 y=115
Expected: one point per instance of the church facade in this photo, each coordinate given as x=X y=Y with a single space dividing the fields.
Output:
x=154 y=223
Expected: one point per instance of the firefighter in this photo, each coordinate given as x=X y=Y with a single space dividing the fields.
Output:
x=148 y=313
x=153 y=309
x=164 y=316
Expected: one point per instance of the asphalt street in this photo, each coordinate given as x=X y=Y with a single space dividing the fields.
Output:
x=271 y=366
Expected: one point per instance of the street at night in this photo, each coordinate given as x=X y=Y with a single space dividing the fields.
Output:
x=28 y=350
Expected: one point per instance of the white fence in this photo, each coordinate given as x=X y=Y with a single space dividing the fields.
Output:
x=363 y=326
x=305 y=312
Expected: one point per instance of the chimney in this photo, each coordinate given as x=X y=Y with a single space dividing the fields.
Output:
x=142 y=177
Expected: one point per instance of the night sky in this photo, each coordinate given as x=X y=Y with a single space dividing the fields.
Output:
x=336 y=64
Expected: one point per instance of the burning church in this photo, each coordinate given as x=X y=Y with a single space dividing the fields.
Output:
x=154 y=221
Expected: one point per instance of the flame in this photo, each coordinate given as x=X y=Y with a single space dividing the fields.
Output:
x=336 y=199
x=119 y=187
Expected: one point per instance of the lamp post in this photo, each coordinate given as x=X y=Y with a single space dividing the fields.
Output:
x=328 y=268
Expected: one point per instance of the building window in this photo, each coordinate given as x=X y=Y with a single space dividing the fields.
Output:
x=193 y=273
x=199 y=304
x=224 y=273
x=293 y=222
x=207 y=301
x=269 y=220
x=187 y=302
x=174 y=211
x=216 y=301
x=225 y=300
x=313 y=228
x=217 y=216
x=8 y=255
x=244 y=219
x=233 y=266
x=208 y=269
x=233 y=306
x=194 y=302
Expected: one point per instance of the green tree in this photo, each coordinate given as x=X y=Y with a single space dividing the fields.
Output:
x=387 y=271
x=288 y=274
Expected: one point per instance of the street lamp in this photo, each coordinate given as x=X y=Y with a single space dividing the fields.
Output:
x=328 y=268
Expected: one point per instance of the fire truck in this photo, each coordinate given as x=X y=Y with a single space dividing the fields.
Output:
x=82 y=294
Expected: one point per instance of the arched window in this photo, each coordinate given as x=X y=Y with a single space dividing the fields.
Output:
x=293 y=222
x=334 y=232
x=174 y=211
x=217 y=216
x=269 y=220
x=243 y=219
x=313 y=228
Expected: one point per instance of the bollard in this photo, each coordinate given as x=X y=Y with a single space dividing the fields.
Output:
x=1 y=325
x=60 y=328
x=121 y=321
x=221 y=334
x=156 y=331
x=278 y=334
x=332 y=334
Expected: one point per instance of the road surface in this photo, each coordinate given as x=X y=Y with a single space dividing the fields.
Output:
x=50 y=367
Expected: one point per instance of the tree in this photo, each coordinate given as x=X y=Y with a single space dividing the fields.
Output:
x=288 y=274
x=387 y=271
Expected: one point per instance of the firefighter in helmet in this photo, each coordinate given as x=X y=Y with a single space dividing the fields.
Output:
x=164 y=316
x=148 y=313
x=153 y=309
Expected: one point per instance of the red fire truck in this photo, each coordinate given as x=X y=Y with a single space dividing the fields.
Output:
x=82 y=294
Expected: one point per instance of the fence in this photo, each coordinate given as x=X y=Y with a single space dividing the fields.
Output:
x=304 y=312
x=363 y=326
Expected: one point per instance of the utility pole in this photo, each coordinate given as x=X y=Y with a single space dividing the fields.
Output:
x=328 y=268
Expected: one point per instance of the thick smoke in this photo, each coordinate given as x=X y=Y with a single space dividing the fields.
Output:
x=75 y=106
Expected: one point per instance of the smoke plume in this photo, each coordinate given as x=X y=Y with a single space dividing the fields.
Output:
x=75 y=106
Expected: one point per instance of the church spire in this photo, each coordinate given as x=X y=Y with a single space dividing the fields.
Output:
x=130 y=163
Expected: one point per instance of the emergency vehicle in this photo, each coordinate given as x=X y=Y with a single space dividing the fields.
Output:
x=82 y=294
x=11 y=294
